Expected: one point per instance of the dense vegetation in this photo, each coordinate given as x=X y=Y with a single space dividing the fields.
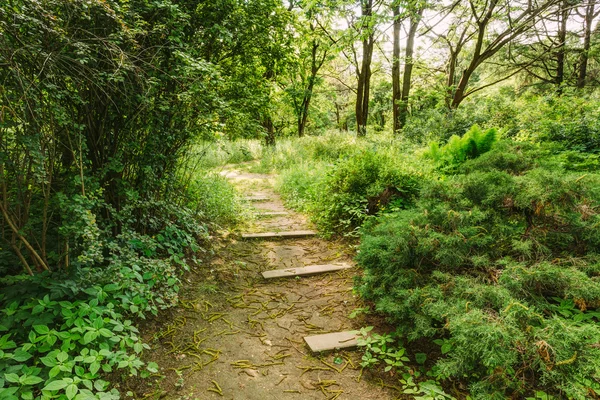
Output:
x=469 y=178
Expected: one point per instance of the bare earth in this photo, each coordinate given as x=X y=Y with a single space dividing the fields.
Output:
x=238 y=336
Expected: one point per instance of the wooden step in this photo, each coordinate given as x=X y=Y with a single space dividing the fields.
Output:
x=275 y=235
x=331 y=341
x=257 y=198
x=308 y=270
x=272 y=213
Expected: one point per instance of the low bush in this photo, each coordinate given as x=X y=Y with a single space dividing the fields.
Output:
x=364 y=184
x=497 y=263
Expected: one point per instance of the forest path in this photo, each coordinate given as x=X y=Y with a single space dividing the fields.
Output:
x=239 y=336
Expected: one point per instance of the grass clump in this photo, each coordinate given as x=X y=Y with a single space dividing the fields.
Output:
x=484 y=262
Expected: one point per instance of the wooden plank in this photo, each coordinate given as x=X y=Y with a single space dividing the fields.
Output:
x=272 y=213
x=308 y=270
x=331 y=341
x=257 y=198
x=274 y=235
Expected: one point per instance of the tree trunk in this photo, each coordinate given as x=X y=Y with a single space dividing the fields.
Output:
x=396 y=90
x=364 y=76
x=587 y=36
x=451 y=77
x=315 y=65
x=408 y=66
x=563 y=15
x=270 y=128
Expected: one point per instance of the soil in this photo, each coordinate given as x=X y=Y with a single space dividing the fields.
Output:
x=239 y=336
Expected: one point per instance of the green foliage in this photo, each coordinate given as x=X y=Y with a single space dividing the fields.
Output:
x=362 y=185
x=493 y=262
x=572 y=120
x=215 y=199
x=459 y=149
x=341 y=181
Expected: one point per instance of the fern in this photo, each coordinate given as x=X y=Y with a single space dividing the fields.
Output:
x=472 y=144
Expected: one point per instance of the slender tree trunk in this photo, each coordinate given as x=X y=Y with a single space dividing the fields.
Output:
x=451 y=77
x=396 y=89
x=364 y=76
x=563 y=16
x=315 y=66
x=267 y=120
x=408 y=66
x=587 y=39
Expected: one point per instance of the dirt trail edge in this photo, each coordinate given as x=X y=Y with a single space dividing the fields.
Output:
x=240 y=336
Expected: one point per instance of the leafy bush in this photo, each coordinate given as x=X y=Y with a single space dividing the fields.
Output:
x=485 y=262
x=571 y=120
x=362 y=185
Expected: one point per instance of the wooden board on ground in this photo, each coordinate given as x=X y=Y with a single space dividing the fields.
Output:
x=271 y=213
x=308 y=270
x=275 y=235
x=257 y=198
x=331 y=341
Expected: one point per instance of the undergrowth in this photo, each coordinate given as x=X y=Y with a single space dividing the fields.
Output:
x=499 y=263
x=61 y=333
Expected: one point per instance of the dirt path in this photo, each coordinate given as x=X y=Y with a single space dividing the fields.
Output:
x=238 y=336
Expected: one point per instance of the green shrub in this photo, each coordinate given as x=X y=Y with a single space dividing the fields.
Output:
x=363 y=184
x=483 y=262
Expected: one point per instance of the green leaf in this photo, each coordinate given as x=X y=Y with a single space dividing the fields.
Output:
x=138 y=347
x=420 y=358
x=111 y=287
x=14 y=378
x=27 y=395
x=94 y=367
x=54 y=371
x=31 y=380
x=56 y=385
x=152 y=367
x=41 y=329
x=446 y=347
x=62 y=356
x=71 y=391
x=100 y=385
x=89 y=336
x=48 y=361
x=105 y=332
x=21 y=355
